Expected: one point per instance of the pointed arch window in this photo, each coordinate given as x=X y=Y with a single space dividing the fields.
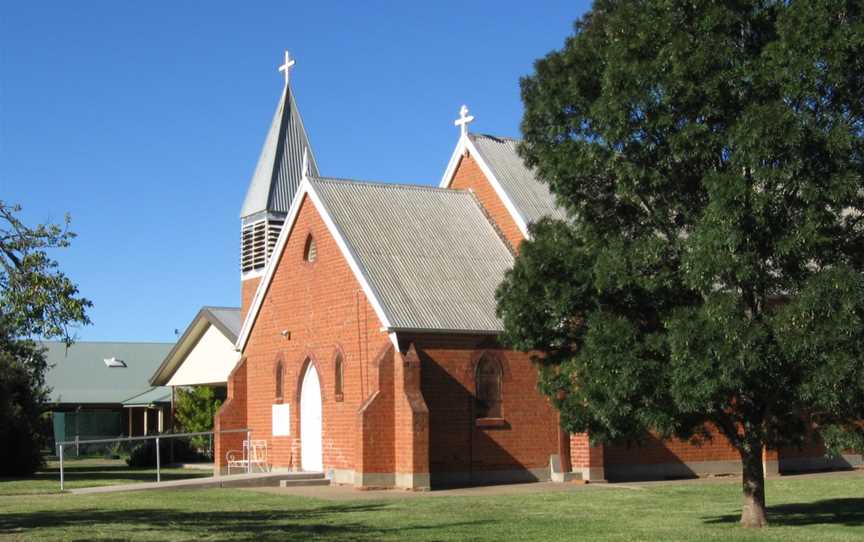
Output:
x=338 y=369
x=488 y=392
x=310 y=251
x=279 y=378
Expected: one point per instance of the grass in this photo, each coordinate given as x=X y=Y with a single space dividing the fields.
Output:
x=801 y=508
x=87 y=473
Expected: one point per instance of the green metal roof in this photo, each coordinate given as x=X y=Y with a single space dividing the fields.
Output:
x=160 y=394
x=80 y=375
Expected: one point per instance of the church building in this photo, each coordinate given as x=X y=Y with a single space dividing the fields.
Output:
x=368 y=348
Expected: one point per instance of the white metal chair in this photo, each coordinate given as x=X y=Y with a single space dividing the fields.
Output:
x=252 y=457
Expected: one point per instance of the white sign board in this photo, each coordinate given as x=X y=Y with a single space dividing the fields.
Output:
x=281 y=420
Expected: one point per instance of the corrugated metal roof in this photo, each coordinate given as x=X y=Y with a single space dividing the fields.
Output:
x=530 y=196
x=154 y=395
x=79 y=375
x=229 y=317
x=280 y=165
x=431 y=256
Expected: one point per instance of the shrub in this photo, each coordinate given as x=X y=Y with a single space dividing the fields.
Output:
x=143 y=454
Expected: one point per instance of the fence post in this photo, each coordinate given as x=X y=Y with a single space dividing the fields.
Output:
x=248 y=451
x=158 y=471
x=77 y=447
x=61 y=467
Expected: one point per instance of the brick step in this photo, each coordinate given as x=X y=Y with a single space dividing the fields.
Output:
x=271 y=479
x=295 y=482
x=303 y=475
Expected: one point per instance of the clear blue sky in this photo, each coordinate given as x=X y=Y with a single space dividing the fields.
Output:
x=144 y=121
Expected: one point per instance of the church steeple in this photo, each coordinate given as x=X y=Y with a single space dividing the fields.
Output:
x=275 y=181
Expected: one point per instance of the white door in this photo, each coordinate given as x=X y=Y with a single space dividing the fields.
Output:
x=310 y=421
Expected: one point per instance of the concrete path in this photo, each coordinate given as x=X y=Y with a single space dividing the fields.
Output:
x=260 y=479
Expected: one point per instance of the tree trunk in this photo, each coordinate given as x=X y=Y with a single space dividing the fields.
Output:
x=753 y=507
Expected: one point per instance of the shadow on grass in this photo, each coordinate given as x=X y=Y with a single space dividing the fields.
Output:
x=336 y=522
x=848 y=512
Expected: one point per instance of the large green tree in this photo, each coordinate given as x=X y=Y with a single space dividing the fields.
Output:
x=710 y=156
x=37 y=300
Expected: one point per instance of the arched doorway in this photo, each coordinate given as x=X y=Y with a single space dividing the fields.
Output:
x=310 y=421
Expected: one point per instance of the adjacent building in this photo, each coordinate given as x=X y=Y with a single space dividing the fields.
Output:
x=101 y=390
x=204 y=355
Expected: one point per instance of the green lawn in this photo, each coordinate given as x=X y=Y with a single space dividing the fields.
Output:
x=830 y=508
x=87 y=473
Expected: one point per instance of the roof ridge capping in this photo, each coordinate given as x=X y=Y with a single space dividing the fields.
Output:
x=385 y=184
x=496 y=137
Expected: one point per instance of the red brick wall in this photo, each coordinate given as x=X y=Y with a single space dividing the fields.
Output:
x=469 y=175
x=812 y=455
x=231 y=415
x=654 y=451
x=582 y=454
x=247 y=292
x=411 y=415
x=456 y=444
x=375 y=427
x=812 y=447
x=324 y=309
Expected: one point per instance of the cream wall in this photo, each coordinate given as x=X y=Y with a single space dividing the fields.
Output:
x=209 y=362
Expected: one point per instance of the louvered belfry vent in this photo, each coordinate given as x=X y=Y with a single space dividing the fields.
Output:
x=257 y=241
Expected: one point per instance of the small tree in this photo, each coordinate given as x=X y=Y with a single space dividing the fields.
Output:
x=711 y=160
x=195 y=409
x=36 y=300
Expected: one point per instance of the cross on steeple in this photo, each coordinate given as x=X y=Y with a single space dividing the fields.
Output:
x=286 y=67
x=464 y=119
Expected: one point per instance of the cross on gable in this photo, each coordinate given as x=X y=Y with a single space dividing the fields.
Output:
x=464 y=119
x=286 y=67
